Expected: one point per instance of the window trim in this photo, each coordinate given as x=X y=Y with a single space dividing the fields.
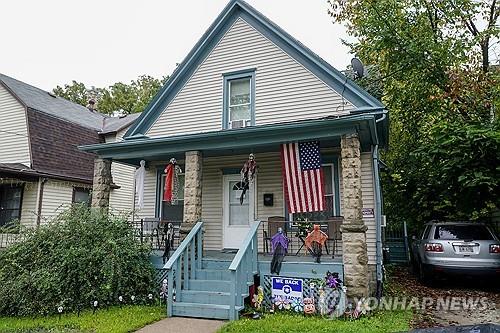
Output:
x=160 y=172
x=21 y=186
x=80 y=188
x=227 y=77
x=333 y=161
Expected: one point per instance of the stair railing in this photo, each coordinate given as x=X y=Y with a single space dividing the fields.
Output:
x=184 y=262
x=243 y=267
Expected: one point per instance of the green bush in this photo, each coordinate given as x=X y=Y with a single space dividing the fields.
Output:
x=83 y=255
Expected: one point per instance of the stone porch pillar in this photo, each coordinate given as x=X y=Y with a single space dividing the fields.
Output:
x=355 y=257
x=101 y=183
x=192 y=190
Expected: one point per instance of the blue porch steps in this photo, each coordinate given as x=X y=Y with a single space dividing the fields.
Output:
x=208 y=294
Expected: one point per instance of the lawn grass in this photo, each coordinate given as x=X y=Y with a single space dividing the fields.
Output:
x=382 y=321
x=112 y=320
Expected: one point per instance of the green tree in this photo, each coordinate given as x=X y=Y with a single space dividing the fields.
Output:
x=442 y=95
x=119 y=97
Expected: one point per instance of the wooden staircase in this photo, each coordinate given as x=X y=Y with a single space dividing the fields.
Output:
x=213 y=289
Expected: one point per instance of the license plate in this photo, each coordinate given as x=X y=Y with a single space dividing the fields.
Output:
x=465 y=249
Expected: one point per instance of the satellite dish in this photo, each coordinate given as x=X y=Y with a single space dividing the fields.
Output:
x=358 y=67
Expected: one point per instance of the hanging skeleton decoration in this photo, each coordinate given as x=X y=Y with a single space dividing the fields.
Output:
x=248 y=173
x=315 y=241
x=171 y=191
x=168 y=238
x=279 y=244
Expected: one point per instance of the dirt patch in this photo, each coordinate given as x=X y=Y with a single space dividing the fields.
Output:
x=457 y=301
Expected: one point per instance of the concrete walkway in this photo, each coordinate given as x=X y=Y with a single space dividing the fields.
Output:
x=183 y=325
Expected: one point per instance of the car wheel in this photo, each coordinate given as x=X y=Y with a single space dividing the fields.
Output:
x=424 y=278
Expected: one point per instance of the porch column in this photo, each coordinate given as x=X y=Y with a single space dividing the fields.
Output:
x=102 y=181
x=192 y=190
x=355 y=257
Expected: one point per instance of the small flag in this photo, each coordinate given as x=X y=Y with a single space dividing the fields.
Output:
x=303 y=177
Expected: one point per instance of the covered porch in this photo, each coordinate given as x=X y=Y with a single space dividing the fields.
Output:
x=227 y=237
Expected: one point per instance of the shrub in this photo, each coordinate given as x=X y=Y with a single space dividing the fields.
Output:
x=81 y=256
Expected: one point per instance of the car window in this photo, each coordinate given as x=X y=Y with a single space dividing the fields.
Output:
x=426 y=232
x=450 y=232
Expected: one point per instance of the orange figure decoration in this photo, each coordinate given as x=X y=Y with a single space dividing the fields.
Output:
x=314 y=242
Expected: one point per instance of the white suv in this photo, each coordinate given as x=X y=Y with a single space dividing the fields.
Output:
x=465 y=248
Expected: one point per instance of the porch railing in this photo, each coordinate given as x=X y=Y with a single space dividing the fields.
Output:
x=243 y=267
x=184 y=262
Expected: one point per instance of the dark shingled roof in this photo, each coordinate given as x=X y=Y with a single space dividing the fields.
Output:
x=42 y=101
x=114 y=124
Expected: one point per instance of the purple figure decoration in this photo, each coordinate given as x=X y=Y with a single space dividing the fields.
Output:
x=332 y=280
x=279 y=244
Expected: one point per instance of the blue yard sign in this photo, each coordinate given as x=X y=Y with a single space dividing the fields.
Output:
x=287 y=288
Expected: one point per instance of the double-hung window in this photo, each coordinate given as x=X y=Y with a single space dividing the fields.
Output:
x=239 y=99
x=331 y=193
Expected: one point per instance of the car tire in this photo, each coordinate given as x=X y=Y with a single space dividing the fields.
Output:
x=424 y=277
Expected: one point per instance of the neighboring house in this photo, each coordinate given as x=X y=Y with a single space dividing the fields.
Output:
x=247 y=87
x=41 y=169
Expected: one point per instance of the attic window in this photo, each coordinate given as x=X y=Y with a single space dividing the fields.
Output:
x=239 y=99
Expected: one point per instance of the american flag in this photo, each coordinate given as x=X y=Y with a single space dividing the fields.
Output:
x=303 y=176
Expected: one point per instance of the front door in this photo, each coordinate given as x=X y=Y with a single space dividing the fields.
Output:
x=237 y=215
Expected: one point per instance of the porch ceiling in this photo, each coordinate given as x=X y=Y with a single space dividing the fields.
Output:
x=227 y=142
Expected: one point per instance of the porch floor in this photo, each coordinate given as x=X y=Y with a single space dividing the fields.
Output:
x=265 y=257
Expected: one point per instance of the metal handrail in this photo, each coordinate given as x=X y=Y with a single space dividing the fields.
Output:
x=242 y=267
x=185 y=261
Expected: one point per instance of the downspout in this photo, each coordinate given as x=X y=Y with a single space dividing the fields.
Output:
x=41 y=183
x=378 y=216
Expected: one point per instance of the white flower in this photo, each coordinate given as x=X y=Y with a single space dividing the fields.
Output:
x=60 y=309
x=132 y=298
x=344 y=289
x=96 y=303
x=150 y=296
x=120 y=298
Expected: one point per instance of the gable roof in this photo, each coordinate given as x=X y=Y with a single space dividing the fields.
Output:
x=40 y=100
x=115 y=124
x=233 y=10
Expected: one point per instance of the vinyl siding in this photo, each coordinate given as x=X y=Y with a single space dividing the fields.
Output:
x=14 y=145
x=268 y=181
x=149 y=195
x=28 y=209
x=284 y=89
x=121 y=200
x=57 y=196
x=368 y=194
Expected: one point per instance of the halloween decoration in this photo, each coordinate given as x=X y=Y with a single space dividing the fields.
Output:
x=315 y=241
x=248 y=173
x=309 y=307
x=171 y=191
x=282 y=303
x=139 y=184
x=258 y=298
x=297 y=305
x=279 y=244
x=332 y=280
x=322 y=302
x=168 y=238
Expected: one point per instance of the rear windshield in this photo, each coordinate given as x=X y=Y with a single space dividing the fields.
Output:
x=474 y=232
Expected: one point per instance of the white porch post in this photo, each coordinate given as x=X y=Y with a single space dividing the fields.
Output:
x=192 y=190
x=355 y=256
